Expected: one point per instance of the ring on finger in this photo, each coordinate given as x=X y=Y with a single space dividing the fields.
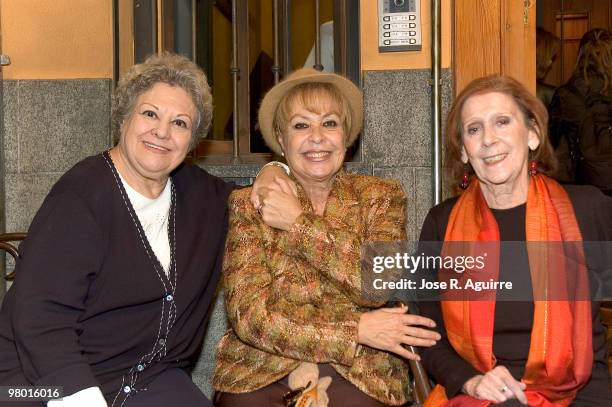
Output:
x=503 y=389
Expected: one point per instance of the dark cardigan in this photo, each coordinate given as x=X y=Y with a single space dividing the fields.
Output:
x=88 y=307
x=513 y=320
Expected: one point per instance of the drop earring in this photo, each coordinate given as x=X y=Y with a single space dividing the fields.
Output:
x=533 y=168
x=465 y=180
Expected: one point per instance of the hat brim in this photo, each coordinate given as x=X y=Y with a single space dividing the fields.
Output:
x=270 y=102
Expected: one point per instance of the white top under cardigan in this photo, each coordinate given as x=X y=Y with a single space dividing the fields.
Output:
x=153 y=215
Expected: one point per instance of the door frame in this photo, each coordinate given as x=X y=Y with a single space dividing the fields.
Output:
x=2 y=175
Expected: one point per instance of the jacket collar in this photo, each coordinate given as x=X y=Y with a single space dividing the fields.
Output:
x=341 y=197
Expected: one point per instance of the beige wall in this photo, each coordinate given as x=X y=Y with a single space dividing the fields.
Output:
x=372 y=60
x=57 y=39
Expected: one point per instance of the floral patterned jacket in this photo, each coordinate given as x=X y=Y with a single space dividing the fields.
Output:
x=296 y=296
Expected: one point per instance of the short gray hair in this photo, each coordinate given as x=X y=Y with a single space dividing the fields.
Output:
x=171 y=69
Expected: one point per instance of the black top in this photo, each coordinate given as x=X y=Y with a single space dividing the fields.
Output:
x=90 y=305
x=513 y=319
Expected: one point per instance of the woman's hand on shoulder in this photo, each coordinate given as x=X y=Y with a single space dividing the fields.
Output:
x=270 y=176
x=390 y=328
x=496 y=385
x=278 y=205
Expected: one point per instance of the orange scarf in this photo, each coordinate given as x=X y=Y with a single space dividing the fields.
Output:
x=561 y=353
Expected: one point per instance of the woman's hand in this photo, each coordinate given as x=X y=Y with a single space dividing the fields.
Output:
x=390 y=328
x=496 y=385
x=279 y=206
x=270 y=176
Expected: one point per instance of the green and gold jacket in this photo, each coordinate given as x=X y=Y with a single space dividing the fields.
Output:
x=296 y=295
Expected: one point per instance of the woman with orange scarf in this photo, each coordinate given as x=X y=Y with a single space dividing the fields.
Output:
x=549 y=351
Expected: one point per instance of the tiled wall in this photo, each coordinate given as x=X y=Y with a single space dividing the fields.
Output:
x=48 y=127
x=397 y=140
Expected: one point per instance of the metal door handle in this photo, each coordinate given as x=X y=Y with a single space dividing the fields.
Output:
x=4 y=60
x=526 y=7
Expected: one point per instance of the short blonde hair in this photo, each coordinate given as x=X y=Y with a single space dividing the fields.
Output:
x=173 y=70
x=313 y=97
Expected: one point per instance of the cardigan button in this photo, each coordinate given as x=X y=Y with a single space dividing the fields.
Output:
x=127 y=389
x=169 y=297
x=140 y=368
x=162 y=342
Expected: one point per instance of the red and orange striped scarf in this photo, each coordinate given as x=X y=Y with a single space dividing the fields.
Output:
x=561 y=353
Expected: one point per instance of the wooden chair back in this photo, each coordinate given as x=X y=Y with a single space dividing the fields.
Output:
x=6 y=244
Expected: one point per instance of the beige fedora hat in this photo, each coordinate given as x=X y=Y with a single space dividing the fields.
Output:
x=270 y=102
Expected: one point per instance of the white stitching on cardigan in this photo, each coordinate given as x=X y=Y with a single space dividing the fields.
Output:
x=172 y=310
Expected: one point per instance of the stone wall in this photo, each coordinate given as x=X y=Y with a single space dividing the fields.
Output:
x=48 y=127
x=397 y=140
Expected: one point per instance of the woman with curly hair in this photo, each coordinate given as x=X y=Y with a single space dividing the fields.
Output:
x=121 y=262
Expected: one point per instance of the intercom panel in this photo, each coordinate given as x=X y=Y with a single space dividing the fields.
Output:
x=399 y=25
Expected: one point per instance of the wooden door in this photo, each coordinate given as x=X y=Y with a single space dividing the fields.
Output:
x=494 y=37
x=569 y=20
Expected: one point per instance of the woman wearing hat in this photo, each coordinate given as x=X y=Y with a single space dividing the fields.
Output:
x=292 y=272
